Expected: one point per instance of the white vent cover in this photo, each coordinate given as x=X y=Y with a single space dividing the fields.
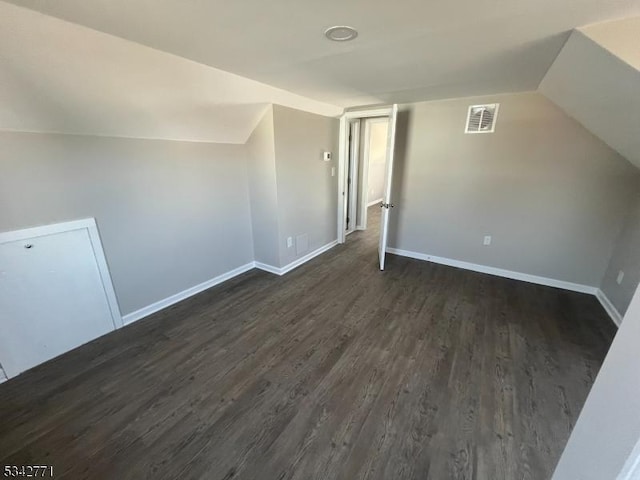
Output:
x=482 y=118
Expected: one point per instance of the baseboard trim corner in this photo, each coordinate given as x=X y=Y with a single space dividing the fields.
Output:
x=611 y=310
x=267 y=268
x=525 y=277
x=189 y=292
x=296 y=263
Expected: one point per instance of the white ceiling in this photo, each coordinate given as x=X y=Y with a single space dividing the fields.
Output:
x=56 y=76
x=407 y=50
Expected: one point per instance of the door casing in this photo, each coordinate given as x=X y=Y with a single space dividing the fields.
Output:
x=343 y=154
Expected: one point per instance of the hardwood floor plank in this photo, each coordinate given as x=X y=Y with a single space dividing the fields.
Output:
x=334 y=371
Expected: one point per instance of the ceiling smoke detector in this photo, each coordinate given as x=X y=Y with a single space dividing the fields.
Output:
x=341 y=33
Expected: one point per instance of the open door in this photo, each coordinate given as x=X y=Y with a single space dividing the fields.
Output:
x=386 y=202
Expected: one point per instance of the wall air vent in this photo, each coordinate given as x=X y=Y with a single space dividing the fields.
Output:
x=482 y=118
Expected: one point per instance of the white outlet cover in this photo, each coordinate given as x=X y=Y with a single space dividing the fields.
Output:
x=487 y=240
x=620 y=277
x=289 y=242
x=333 y=171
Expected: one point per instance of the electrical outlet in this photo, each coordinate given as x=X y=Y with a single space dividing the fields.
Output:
x=620 y=277
x=289 y=242
x=487 y=240
x=333 y=171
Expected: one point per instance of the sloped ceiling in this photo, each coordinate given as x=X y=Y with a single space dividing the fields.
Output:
x=408 y=50
x=57 y=76
x=599 y=85
x=621 y=38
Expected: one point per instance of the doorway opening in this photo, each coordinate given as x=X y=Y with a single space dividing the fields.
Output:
x=373 y=162
x=365 y=168
x=365 y=173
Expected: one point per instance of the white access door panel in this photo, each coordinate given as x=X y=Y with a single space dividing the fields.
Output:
x=52 y=298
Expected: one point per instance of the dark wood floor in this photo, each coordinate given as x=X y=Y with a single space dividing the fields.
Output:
x=335 y=371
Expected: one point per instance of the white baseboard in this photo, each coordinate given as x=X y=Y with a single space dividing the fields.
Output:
x=268 y=268
x=609 y=307
x=549 y=282
x=167 y=302
x=631 y=468
x=525 y=277
x=189 y=292
x=371 y=204
x=295 y=263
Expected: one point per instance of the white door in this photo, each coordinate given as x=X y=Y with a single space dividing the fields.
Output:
x=52 y=298
x=388 y=175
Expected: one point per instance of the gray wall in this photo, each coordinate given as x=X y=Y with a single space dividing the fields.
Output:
x=553 y=196
x=171 y=214
x=609 y=425
x=307 y=193
x=626 y=257
x=261 y=165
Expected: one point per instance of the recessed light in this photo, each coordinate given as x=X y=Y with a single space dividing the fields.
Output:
x=341 y=33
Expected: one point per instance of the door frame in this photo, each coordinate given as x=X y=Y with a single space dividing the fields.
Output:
x=90 y=225
x=343 y=146
x=352 y=172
